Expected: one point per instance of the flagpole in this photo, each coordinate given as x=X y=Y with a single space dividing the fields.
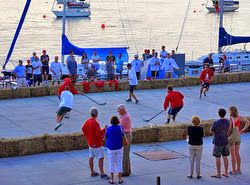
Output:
x=221 y=20
x=63 y=24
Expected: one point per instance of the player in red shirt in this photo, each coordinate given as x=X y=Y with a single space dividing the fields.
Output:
x=94 y=135
x=205 y=78
x=175 y=98
x=71 y=85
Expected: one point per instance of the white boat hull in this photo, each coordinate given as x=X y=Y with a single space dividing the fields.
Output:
x=85 y=5
x=238 y=57
x=225 y=9
x=73 y=13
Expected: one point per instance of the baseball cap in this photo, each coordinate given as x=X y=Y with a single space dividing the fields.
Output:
x=128 y=65
x=224 y=56
x=44 y=51
x=34 y=53
x=136 y=55
x=156 y=53
x=28 y=61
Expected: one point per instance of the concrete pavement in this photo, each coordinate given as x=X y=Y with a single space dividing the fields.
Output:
x=35 y=116
x=71 y=168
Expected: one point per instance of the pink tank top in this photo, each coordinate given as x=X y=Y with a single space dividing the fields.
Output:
x=237 y=123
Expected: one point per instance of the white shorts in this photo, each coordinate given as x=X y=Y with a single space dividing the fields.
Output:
x=169 y=70
x=56 y=78
x=21 y=82
x=96 y=152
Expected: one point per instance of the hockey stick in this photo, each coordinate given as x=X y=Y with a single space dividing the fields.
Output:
x=94 y=100
x=147 y=120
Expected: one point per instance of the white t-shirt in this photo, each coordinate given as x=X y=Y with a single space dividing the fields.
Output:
x=163 y=53
x=132 y=77
x=95 y=58
x=56 y=66
x=37 y=71
x=66 y=99
x=137 y=65
x=153 y=65
x=169 y=64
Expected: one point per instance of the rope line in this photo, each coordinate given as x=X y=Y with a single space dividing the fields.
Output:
x=184 y=20
x=130 y=26
x=123 y=27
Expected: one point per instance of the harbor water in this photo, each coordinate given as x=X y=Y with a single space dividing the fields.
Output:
x=137 y=24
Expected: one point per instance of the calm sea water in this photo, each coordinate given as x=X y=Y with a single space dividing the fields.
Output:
x=147 y=24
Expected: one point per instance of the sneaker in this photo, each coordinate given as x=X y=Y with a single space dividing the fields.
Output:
x=190 y=176
x=58 y=125
x=136 y=101
x=104 y=176
x=205 y=94
x=67 y=115
x=94 y=174
x=47 y=82
x=128 y=100
x=199 y=176
x=173 y=118
x=43 y=84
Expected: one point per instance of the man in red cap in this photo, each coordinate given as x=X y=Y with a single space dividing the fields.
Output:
x=225 y=65
x=205 y=78
x=29 y=77
x=45 y=67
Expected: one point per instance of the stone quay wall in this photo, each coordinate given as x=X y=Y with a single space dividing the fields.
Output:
x=76 y=141
x=26 y=92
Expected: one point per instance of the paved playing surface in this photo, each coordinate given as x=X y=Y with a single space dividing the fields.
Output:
x=34 y=116
x=71 y=168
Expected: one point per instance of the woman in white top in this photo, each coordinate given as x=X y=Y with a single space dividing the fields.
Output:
x=85 y=63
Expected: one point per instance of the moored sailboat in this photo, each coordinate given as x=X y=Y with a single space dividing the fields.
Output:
x=229 y=6
x=239 y=58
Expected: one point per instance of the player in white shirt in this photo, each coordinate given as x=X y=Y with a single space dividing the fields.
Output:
x=56 y=69
x=137 y=64
x=132 y=83
x=168 y=65
x=37 y=71
x=65 y=106
x=163 y=53
x=155 y=65
x=95 y=61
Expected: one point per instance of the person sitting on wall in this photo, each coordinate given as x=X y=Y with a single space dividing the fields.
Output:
x=91 y=74
x=225 y=65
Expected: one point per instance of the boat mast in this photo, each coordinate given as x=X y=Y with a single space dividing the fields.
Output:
x=63 y=24
x=221 y=20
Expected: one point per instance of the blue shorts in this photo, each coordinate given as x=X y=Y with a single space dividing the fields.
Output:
x=30 y=80
x=173 y=111
x=119 y=72
x=205 y=85
x=219 y=151
x=131 y=88
x=37 y=78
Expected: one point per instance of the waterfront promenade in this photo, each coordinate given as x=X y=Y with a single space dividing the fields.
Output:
x=71 y=168
x=35 y=116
